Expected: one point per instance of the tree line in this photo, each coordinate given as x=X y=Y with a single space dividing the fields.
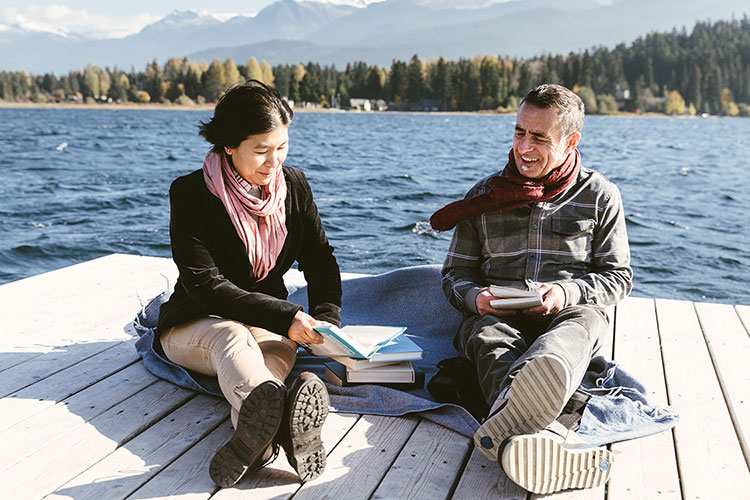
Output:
x=705 y=71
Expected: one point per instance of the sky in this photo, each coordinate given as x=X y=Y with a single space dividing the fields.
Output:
x=119 y=18
x=114 y=19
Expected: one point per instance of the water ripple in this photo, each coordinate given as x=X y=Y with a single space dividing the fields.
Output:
x=376 y=178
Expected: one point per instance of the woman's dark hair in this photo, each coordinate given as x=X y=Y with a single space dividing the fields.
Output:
x=245 y=109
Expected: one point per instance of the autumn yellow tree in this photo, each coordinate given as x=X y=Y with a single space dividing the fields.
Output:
x=91 y=82
x=213 y=81
x=675 y=104
x=266 y=73
x=231 y=73
x=728 y=106
x=254 y=72
x=588 y=97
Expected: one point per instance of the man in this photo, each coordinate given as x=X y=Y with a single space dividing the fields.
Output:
x=544 y=223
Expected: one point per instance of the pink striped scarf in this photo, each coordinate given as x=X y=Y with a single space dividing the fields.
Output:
x=264 y=239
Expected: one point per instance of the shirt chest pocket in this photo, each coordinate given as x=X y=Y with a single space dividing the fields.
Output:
x=572 y=237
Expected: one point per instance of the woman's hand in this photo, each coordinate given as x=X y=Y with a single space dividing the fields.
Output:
x=302 y=331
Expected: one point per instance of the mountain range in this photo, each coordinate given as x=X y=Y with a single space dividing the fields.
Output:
x=290 y=31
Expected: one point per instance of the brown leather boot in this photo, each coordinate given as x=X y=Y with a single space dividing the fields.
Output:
x=306 y=411
x=251 y=446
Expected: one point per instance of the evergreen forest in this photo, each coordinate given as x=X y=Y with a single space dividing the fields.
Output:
x=704 y=71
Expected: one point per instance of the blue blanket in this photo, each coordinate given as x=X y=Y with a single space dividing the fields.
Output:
x=412 y=297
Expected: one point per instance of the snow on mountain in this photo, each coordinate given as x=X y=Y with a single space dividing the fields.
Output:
x=182 y=21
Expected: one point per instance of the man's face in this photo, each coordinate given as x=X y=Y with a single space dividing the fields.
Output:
x=538 y=144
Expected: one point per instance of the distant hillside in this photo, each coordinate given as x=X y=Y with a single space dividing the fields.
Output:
x=375 y=34
x=398 y=29
x=176 y=35
x=706 y=71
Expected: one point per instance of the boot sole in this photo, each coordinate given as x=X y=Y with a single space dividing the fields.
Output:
x=307 y=409
x=258 y=421
x=542 y=465
x=535 y=399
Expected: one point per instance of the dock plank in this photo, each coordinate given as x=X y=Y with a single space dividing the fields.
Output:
x=33 y=433
x=640 y=469
x=64 y=352
x=707 y=447
x=483 y=478
x=98 y=302
x=427 y=467
x=35 y=370
x=187 y=477
x=54 y=442
x=729 y=347
x=133 y=464
x=26 y=397
x=744 y=313
x=362 y=458
x=69 y=297
x=59 y=462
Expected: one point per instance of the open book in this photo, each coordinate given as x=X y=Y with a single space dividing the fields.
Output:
x=514 y=298
x=353 y=341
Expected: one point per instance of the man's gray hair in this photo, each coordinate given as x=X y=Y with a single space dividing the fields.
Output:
x=569 y=106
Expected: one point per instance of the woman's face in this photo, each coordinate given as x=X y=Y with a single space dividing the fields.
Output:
x=258 y=157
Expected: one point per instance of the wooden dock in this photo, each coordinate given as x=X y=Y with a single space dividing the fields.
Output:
x=81 y=418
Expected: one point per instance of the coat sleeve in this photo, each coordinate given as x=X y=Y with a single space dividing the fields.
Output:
x=204 y=283
x=317 y=262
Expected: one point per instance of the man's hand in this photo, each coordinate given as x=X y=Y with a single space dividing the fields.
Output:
x=553 y=300
x=301 y=330
x=483 y=305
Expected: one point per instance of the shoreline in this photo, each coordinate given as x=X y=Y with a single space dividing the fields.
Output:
x=210 y=107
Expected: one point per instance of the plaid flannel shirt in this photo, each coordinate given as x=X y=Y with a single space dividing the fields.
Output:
x=577 y=239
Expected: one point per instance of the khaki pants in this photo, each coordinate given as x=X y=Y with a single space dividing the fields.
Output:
x=240 y=356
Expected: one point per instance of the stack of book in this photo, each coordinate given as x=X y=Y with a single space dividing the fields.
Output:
x=369 y=355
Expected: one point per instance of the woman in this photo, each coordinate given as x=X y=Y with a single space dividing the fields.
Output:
x=236 y=226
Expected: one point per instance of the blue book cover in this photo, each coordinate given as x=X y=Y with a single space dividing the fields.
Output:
x=402 y=348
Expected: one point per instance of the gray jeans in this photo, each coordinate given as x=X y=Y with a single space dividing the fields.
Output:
x=500 y=347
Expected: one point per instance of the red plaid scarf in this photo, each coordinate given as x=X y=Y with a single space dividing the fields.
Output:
x=507 y=191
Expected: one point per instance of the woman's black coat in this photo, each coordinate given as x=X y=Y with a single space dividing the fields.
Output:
x=215 y=275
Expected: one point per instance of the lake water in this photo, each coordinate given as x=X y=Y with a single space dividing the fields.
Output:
x=82 y=183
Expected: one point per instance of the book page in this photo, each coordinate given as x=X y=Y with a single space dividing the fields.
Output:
x=370 y=337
